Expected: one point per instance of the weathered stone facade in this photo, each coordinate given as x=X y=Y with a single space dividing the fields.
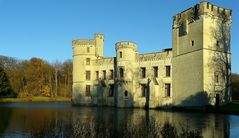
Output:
x=195 y=72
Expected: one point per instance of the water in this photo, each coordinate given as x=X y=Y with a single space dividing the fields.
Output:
x=62 y=120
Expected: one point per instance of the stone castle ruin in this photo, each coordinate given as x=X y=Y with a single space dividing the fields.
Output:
x=196 y=71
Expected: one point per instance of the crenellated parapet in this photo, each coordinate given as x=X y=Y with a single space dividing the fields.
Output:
x=126 y=44
x=104 y=61
x=154 y=56
x=99 y=36
x=204 y=8
x=83 y=42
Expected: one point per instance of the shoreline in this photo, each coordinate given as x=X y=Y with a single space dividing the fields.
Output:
x=230 y=108
x=35 y=99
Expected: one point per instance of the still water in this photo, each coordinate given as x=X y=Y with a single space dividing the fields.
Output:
x=63 y=120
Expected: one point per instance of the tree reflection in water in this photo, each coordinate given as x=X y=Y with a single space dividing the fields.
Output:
x=94 y=128
x=111 y=122
x=5 y=115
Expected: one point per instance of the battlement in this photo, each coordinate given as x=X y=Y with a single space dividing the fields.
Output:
x=126 y=44
x=104 y=61
x=99 y=36
x=204 y=8
x=165 y=54
x=88 y=41
x=83 y=42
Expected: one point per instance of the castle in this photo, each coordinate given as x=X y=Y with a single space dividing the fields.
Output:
x=196 y=71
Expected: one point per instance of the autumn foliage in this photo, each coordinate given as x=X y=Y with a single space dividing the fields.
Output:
x=36 y=77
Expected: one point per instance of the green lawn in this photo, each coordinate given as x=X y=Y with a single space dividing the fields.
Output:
x=232 y=108
x=35 y=99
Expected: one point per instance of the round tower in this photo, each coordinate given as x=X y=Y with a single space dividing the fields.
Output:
x=83 y=55
x=126 y=56
x=126 y=53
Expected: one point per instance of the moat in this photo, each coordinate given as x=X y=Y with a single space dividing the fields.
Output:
x=63 y=120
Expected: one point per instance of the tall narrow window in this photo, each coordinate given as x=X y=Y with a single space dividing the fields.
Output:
x=167 y=89
x=87 y=90
x=155 y=71
x=87 y=75
x=183 y=29
x=192 y=43
x=111 y=91
x=111 y=74
x=211 y=7
x=143 y=72
x=218 y=44
x=216 y=78
x=168 y=71
x=121 y=54
x=97 y=75
x=104 y=74
x=87 y=61
x=143 y=90
x=126 y=93
x=88 y=49
x=121 y=73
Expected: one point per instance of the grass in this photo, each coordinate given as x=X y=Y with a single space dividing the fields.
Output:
x=35 y=99
x=230 y=108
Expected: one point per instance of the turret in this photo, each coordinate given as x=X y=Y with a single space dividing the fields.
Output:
x=125 y=67
x=99 y=45
x=85 y=51
x=126 y=56
x=126 y=51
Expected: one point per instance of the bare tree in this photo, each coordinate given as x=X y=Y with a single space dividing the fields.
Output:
x=221 y=62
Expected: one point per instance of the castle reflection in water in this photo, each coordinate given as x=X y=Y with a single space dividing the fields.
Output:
x=139 y=123
x=67 y=121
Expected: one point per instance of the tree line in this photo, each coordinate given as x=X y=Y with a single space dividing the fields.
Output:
x=35 y=77
x=235 y=86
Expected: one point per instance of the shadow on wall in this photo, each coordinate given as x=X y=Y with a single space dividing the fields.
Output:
x=76 y=96
x=198 y=99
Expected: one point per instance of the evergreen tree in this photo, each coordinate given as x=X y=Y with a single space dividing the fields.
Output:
x=5 y=87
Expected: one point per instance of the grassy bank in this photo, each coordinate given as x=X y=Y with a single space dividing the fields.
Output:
x=35 y=99
x=230 y=108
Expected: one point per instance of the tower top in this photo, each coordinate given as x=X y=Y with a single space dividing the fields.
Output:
x=126 y=44
x=203 y=8
x=100 y=36
x=88 y=41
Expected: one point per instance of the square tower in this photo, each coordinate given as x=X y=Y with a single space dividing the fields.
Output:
x=201 y=56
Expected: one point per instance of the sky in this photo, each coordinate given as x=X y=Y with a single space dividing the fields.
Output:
x=46 y=28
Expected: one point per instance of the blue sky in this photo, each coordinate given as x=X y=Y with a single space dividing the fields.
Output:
x=45 y=28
